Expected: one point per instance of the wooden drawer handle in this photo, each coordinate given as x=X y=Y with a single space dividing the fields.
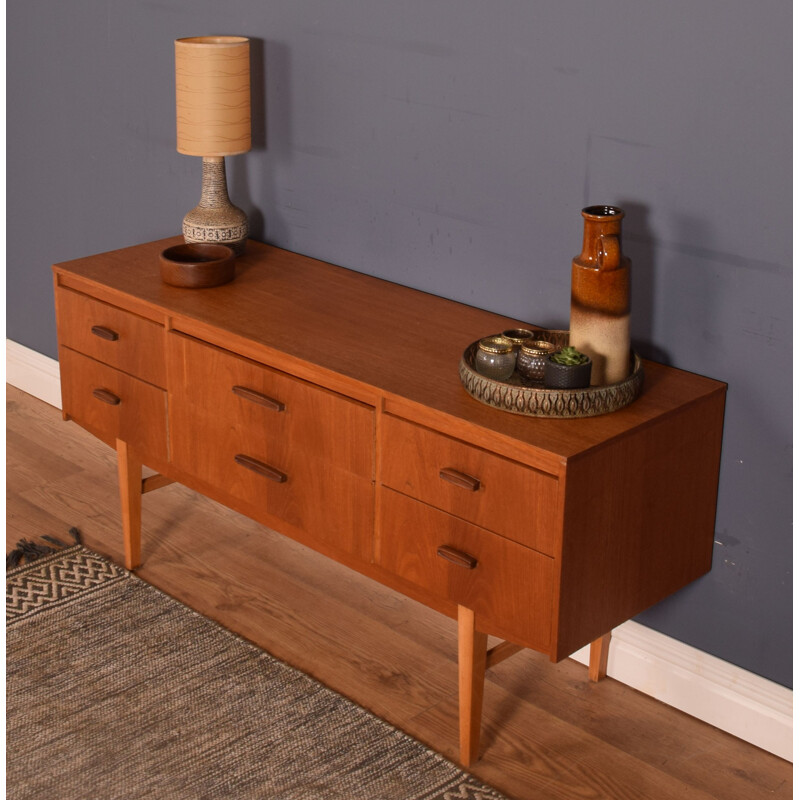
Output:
x=457 y=557
x=257 y=397
x=260 y=468
x=105 y=333
x=460 y=479
x=106 y=396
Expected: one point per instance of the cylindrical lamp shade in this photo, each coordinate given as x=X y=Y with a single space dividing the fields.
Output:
x=212 y=95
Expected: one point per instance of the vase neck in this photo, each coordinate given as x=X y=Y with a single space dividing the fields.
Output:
x=214 y=193
x=602 y=226
x=592 y=231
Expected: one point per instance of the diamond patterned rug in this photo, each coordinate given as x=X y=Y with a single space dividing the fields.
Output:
x=115 y=690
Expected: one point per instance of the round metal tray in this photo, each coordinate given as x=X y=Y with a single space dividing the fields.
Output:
x=535 y=401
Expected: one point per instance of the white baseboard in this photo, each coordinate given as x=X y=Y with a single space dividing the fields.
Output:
x=725 y=696
x=34 y=373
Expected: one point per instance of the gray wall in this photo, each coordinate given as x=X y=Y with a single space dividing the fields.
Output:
x=450 y=145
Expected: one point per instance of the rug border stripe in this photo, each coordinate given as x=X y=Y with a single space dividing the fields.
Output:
x=58 y=555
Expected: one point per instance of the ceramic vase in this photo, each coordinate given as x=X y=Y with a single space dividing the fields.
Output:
x=600 y=305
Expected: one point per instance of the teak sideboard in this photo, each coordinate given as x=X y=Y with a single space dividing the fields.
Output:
x=326 y=404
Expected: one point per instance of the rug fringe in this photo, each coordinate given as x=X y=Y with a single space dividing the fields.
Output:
x=30 y=551
x=55 y=540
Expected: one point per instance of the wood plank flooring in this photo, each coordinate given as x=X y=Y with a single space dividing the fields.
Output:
x=548 y=732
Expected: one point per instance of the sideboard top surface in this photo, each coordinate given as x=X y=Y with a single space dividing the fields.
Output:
x=402 y=342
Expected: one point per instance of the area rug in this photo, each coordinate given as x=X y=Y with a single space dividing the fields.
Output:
x=115 y=690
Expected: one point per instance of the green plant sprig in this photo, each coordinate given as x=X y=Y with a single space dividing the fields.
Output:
x=569 y=357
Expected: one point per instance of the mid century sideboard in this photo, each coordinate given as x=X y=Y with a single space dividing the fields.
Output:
x=327 y=405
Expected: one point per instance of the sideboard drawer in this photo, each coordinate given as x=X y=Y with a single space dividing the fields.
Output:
x=268 y=409
x=503 y=496
x=112 y=335
x=295 y=451
x=509 y=587
x=114 y=405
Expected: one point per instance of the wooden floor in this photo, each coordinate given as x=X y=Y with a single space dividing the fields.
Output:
x=548 y=732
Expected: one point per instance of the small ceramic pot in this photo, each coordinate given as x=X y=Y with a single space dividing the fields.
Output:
x=517 y=336
x=531 y=359
x=197 y=265
x=567 y=376
x=495 y=358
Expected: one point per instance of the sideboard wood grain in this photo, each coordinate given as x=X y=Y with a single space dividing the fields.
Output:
x=326 y=403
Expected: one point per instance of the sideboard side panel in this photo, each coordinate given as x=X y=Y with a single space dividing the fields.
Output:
x=638 y=521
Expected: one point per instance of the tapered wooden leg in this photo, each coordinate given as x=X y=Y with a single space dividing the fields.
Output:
x=598 y=657
x=130 y=493
x=471 y=671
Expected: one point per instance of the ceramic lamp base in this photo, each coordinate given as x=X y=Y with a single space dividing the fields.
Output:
x=215 y=220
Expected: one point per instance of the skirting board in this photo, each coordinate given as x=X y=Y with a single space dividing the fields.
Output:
x=721 y=694
x=726 y=696
x=34 y=373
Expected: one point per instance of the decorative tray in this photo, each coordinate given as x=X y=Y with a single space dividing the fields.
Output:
x=520 y=397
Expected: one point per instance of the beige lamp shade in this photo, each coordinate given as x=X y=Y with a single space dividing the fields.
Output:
x=212 y=95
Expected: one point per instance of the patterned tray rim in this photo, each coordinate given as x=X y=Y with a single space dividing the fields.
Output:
x=535 y=401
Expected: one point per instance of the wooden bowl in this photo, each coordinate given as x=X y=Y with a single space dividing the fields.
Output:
x=197 y=265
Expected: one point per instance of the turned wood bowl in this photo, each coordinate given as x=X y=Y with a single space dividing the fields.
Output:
x=197 y=265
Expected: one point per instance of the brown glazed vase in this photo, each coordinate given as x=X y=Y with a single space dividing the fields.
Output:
x=599 y=323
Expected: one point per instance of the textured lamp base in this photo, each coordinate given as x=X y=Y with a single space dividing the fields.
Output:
x=215 y=219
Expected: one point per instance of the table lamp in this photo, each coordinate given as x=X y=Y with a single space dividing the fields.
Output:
x=212 y=99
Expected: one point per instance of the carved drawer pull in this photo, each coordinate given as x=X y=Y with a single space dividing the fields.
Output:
x=107 y=397
x=460 y=479
x=457 y=557
x=105 y=333
x=260 y=468
x=257 y=397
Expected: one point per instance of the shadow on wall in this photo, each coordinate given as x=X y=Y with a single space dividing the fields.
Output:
x=258 y=95
x=639 y=244
x=241 y=190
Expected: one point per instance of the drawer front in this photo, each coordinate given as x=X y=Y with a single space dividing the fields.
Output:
x=114 y=405
x=269 y=409
x=509 y=587
x=109 y=334
x=295 y=451
x=518 y=502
